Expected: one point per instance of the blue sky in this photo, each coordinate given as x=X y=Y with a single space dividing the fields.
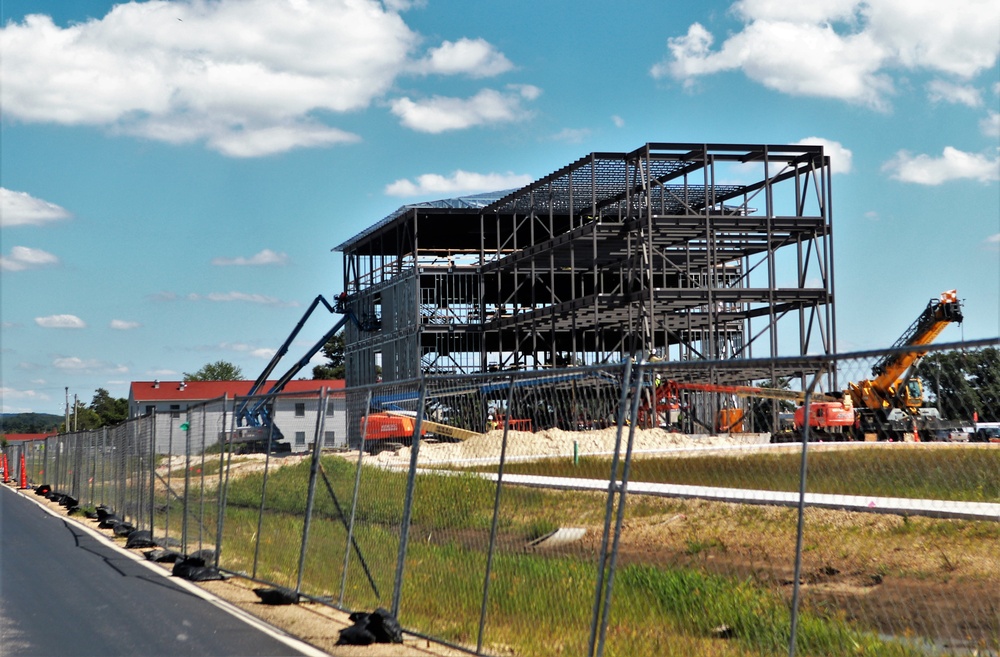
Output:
x=175 y=174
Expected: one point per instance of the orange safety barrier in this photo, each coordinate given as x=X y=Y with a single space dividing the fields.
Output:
x=3 y=466
x=24 y=473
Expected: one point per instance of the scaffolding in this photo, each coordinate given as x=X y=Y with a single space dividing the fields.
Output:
x=673 y=251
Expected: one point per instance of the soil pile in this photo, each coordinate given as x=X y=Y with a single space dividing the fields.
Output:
x=556 y=442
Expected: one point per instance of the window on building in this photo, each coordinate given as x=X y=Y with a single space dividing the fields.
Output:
x=300 y=410
x=329 y=439
x=329 y=408
x=300 y=437
x=150 y=409
x=175 y=410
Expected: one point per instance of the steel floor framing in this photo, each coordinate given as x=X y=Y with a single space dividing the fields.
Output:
x=683 y=251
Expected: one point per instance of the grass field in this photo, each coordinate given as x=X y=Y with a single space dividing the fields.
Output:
x=693 y=579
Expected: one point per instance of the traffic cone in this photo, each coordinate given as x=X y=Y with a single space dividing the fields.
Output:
x=24 y=473
x=3 y=466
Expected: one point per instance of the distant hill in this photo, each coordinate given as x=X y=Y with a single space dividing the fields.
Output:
x=29 y=422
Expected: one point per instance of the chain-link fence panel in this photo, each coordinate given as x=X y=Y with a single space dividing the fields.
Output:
x=901 y=530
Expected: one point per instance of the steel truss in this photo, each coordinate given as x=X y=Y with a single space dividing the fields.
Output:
x=672 y=251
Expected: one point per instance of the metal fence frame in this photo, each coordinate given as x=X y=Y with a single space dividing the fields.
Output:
x=119 y=468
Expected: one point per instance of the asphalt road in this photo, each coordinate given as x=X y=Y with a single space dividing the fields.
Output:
x=65 y=593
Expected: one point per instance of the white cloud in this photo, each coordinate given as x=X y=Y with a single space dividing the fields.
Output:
x=618 y=121
x=90 y=365
x=124 y=325
x=439 y=114
x=572 y=135
x=993 y=242
x=990 y=125
x=246 y=77
x=952 y=165
x=265 y=257
x=474 y=57
x=25 y=257
x=164 y=373
x=61 y=321
x=842 y=49
x=950 y=92
x=225 y=297
x=459 y=182
x=841 y=158
x=264 y=353
x=23 y=209
x=8 y=395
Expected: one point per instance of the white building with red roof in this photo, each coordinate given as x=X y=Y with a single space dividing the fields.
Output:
x=208 y=408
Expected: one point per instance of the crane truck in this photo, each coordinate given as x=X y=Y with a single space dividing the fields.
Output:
x=890 y=405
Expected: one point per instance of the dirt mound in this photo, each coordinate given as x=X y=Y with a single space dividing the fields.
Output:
x=556 y=442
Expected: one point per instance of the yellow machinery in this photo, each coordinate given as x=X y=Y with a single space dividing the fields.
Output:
x=891 y=403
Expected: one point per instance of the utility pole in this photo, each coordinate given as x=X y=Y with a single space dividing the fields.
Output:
x=76 y=413
x=66 y=423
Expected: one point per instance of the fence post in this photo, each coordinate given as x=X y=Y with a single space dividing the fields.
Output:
x=800 y=528
x=311 y=495
x=185 y=507
x=495 y=521
x=404 y=538
x=263 y=494
x=620 y=518
x=225 y=447
x=357 y=487
x=151 y=424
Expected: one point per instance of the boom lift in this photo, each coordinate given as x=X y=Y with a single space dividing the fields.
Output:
x=255 y=411
x=829 y=416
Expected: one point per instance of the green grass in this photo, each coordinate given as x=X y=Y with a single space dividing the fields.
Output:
x=971 y=475
x=538 y=604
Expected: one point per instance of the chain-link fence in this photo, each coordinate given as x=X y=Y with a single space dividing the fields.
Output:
x=801 y=506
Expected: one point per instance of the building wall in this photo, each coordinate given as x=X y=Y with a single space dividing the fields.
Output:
x=208 y=422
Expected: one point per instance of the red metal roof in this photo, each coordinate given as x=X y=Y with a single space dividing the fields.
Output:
x=147 y=391
x=11 y=437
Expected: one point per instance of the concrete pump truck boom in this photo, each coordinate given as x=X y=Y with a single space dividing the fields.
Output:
x=890 y=405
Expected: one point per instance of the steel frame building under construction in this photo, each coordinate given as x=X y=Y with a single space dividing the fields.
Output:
x=673 y=251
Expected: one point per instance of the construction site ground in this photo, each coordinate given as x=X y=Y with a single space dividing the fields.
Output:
x=900 y=574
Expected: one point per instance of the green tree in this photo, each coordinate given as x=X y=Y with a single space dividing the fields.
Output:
x=220 y=370
x=963 y=382
x=81 y=418
x=335 y=351
x=110 y=410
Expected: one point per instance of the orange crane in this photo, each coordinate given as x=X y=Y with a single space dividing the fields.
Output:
x=891 y=404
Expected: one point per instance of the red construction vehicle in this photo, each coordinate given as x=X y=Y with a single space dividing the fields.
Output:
x=830 y=417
